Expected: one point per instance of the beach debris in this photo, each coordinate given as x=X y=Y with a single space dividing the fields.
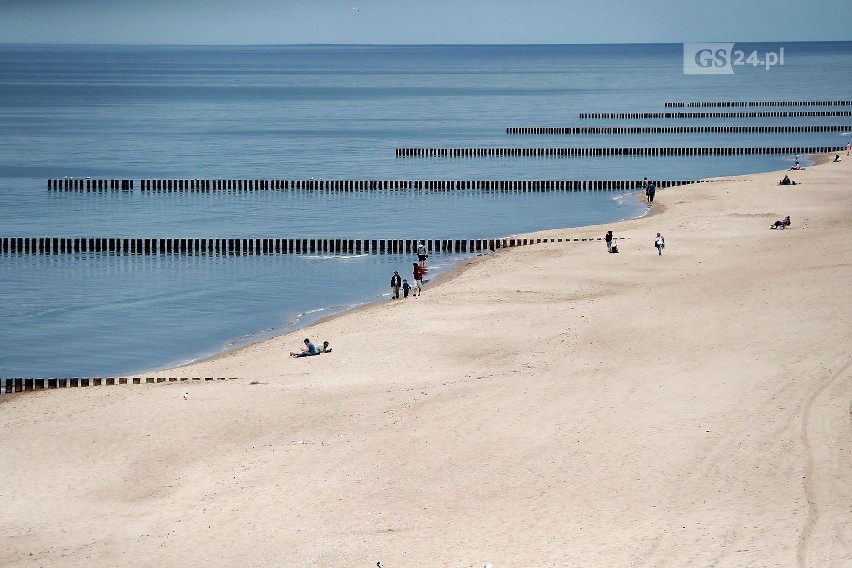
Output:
x=488 y=565
x=185 y=395
x=379 y=565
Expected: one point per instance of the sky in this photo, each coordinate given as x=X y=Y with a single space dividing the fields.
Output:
x=278 y=22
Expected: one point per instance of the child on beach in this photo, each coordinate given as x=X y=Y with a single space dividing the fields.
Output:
x=406 y=288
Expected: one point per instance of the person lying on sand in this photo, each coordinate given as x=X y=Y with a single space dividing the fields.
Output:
x=308 y=350
x=781 y=223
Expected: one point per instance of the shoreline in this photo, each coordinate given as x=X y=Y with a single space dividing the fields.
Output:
x=441 y=278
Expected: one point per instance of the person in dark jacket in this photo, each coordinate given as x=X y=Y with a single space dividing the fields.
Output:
x=396 y=282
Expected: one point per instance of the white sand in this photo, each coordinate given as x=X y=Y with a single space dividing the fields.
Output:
x=550 y=405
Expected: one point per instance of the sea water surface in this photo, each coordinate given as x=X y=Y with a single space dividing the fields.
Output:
x=321 y=112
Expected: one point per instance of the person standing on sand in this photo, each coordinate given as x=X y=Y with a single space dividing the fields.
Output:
x=660 y=243
x=608 y=239
x=418 y=279
x=396 y=282
x=406 y=287
x=652 y=189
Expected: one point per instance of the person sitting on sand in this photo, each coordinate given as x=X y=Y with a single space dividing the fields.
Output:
x=797 y=166
x=837 y=157
x=781 y=223
x=787 y=181
x=308 y=350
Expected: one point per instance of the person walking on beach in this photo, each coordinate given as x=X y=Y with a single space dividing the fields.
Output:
x=660 y=243
x=418 y=279
x=421 y=254
x=396 y=282
x=645 y=185
x=608 y=239
x=406 y=287
x=652 y=189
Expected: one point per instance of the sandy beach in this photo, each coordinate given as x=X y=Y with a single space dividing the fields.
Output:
x=549 y=405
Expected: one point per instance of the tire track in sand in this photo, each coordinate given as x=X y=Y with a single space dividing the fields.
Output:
x=826 y=538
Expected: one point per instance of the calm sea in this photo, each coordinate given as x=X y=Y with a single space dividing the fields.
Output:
x=331 y=112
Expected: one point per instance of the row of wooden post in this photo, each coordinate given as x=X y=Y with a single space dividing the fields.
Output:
x=674 y=129
x=515 y=186
x=705 y=104
x=744 y=114
x=9 y=385
x=252 y=246
x=89 y=184
x=624 y=151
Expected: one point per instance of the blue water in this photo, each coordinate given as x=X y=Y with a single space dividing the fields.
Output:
x=332 y=112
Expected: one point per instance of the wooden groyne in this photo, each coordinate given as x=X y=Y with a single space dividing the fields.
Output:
x=570 y=130
x=623 y=151
x=89 y=184
x=330 y=185
x=743 y=114
x=255 y=246
x=9 y=385
x=707 y=104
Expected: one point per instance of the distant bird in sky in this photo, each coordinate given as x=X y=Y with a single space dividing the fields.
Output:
x=356 y=8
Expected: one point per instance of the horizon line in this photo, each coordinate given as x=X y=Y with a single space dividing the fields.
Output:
x=323 y=44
